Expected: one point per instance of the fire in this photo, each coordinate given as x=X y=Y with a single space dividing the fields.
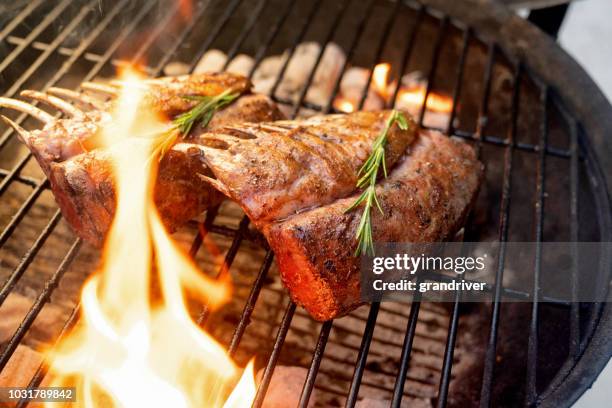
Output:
x=380 y=78
x=410 y=98
x=344 y=105
x=415 y=97
x=131 y=348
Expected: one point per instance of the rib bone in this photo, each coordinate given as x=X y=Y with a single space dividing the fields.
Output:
x=26 y=108
x=23 y=134
x=215 y=183
x=100 y=88
x=86 y=100
x=55 y=102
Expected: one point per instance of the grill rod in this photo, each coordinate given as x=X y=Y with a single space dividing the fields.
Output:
x=485 y=394
x=453 y=325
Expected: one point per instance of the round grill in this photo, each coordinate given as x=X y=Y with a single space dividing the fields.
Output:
x=537 y=121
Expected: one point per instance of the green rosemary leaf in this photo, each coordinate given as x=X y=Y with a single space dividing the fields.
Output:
x=197 y=97
x=202 y=113
x=359 y=200
x=376 y=201
x=384 y=165
x=162 y=143
x=364 y=234
x=367 y=176
x=402 y=122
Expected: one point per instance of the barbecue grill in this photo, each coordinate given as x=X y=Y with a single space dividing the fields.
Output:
x=538 y=122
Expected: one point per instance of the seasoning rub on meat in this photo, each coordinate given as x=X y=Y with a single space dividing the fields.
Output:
x=274 y=170
x=296 y=179
x=425 y=199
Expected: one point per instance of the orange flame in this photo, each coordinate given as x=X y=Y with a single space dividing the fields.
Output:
x=416 y=95
x=344 y=105
x=410 y=99
x=131 y=349
x=380 y=78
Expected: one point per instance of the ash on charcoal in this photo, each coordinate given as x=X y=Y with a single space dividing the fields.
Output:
x=176 y=68
x=211 y=61
x=241 y=64
x=295 y=76
x=286 y=387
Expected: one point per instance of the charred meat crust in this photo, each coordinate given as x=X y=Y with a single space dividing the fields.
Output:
x=274 y=170
x=425 y=199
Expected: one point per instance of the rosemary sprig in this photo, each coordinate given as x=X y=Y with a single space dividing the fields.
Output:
x=201 y=113
x=367 y=181
x=204 y=110
x=163 y=143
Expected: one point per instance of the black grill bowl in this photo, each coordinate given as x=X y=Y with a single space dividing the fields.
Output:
x=539 y=123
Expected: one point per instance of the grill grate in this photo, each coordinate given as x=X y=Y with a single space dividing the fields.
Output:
x=41 y=38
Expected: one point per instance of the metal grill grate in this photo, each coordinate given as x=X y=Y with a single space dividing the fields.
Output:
x=64 y=42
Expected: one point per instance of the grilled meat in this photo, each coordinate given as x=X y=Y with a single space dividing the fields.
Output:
x=425 y=199
x=167 y=94
x=274 y=170
x=61 y=139
x=80 y=173
x=295 y=180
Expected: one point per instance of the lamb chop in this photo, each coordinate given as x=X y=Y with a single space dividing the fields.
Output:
x=274 y=170
x=425 y=199
x=296 y=180
x=80 y=172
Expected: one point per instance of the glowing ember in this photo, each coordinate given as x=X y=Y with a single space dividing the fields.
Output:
x=409 y=98
x=415 y=97
x=380 y=78
x=344 y=105
x=130 y=348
